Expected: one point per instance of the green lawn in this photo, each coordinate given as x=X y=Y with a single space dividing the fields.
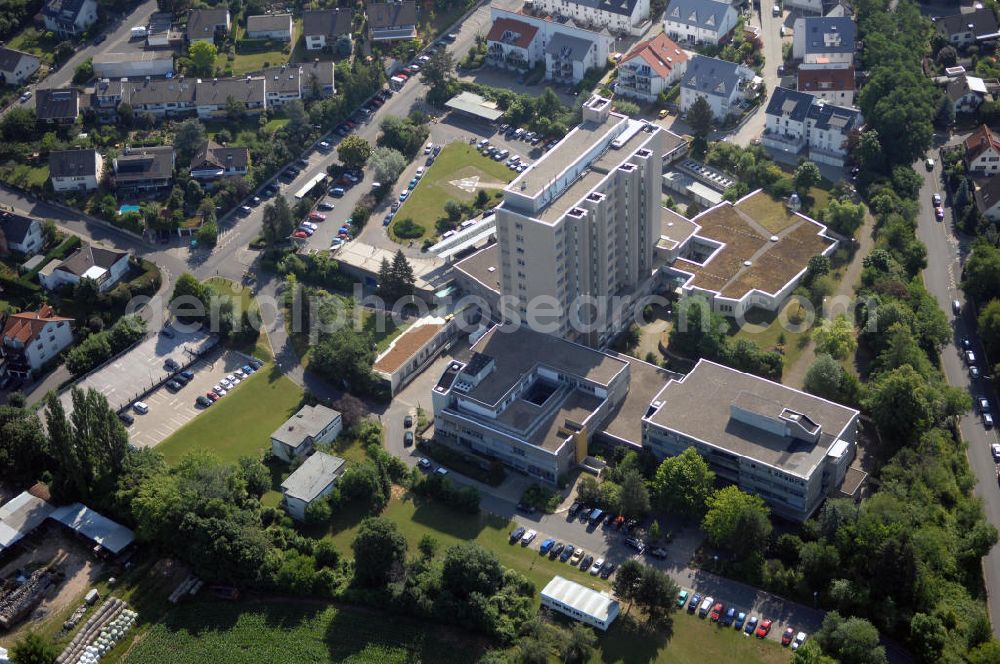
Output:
x=240 y=423
x=33 y=41
x=456 y=162
x=244 y=63
x=24 y=175
x=275 y=124
x=276 y=633
x=766 y=330
x=243 y=300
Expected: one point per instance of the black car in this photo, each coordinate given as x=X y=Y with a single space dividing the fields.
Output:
x=526 y=508
x=407 y=421
x=203 y=401
x=587 y=561
x=608 y=570
x=173 y=385
x=556 y=550
x=516 y=534
x=181 y=379
x=256 y=364
x=573 y=509
x=171 y=364
x=126 y=419
x=407 y=439
x=100 y=39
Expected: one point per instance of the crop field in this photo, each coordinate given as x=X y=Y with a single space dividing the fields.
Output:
x=295 y=633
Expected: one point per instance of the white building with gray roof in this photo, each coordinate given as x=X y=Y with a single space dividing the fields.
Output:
x=311 y=481
x=16 y=67
x=620 y=17
x=311 y=426
x=580 y=603
x=699 y=21
x=723 y=84
x=790 y=448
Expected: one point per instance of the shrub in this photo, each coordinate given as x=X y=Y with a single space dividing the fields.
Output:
x=407 y=229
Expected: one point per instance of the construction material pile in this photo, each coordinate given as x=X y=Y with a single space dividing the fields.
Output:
x=100 y=634
x=21 y=600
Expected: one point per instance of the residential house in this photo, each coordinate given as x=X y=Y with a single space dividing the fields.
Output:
x=724 y=84
x=205 y=24
x=823 y=40
x=161 y=32
x=833 y=84
x=699 y=21
x=312 y=425
x=965 y=29
x=32 y=338
x=57 y=105
x=104 y=266
x=520 y=41
x=21 y=234
x=310 y=482
x=213 y=161
x=790 y=448
x=987 y=194
x=620 y=17
x=392 y=21
x=133 y=65
x=16 y=67
x=982 y=152
x=967 y=93
x=212 y=98
x=76 y=170
x=68 y=18
x=144 y=169
x=270 y=26
x=327 y=27
x=317 y=80
x=797 y=122
x=806 y=6
x=650 y=68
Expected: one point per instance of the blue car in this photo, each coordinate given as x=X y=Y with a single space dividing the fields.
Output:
x=567 y=552
x=751 y=625
x=740 y=619
x=247 y=369
x=693 y=604
x=187 y=374
x=729 y=617
x=337 y=191
x=546 y=546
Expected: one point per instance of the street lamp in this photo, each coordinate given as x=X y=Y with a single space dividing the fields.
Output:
x=815 y=598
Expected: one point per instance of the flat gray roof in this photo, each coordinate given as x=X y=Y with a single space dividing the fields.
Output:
x=645 y=382
x=94 y=526
x=483 y=266
x=581 y=598
x=308 y=422
x=517 y=351
x=473 y=104
x=698 y=406
x=19 y=516
x=312 y=477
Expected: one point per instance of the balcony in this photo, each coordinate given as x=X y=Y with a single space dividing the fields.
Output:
x=782 y=141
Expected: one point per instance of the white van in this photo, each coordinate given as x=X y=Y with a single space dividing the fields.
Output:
x=706 y=606
x=447 y=235
x=467 y=224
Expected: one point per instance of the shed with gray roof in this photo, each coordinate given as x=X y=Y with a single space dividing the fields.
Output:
x=311 y=481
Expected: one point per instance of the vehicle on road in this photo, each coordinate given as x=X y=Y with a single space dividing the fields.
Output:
x=140 y=407
x=515 y=534
x=441 y=471
x=936 y=199
x=787 y=636
x=408 y=421
x=929 y=164
x=764 y=628
x=528 y=537
x=987 y=420
x=939 y=213
x=424 y=463
x=995 y=451
x=573 y=509
x=126 y=419
x=658 y=552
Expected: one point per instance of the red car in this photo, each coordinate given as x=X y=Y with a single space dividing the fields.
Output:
x=300 y=235
x=212 y=396
x=316 y=216
x=764 y=628
x=787 y=637
x=716 y=612
x=939 y=213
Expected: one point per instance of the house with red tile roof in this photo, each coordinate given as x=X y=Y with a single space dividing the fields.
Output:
x=32 y=338
x=982 y=152
x=510 y=44
x=650 y=68
x=832 y=84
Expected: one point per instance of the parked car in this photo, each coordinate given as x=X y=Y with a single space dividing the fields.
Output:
x=407 y=438
x=441 y=471
x=730 y=615
x=567 y=553
x=337 y=192
x=659 y=552
x=608 y=570
x=595 y=569
x=716 y=613
x=787 y=636
x=556 y=550
x=326 y=205
x=974 y=372
x=693 y=604
x=573 y=509
x=408 y=421
x=171 y=364
x=219 y=390
x=424 y=463
x=577 y=556
x=212 y=396
x=740 y=619
x=800 y=638
x=763 y=629
x=317 y=216
x=983 y=404
x=528 y=537
x=140 y=407
x=995 y=451
x=167 y=332
x=987 y=420
x=705 y=607
x=515 y=534
x=203 y=401
x=173 y=385
x=546 y=546
x=126 y=419
x=751 y=625
x=635 y=544
x=682 y=598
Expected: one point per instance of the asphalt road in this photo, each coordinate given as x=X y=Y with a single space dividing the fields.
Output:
x=946 y=252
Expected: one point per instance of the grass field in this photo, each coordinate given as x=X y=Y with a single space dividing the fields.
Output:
x=283 y=632
x=237 y=425
x=244 y=63
x=24 y=175
x=33 y=41
x=243 y=300
x=457 y=161
x=766 y=330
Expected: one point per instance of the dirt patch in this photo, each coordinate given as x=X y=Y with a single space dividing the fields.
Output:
x=66 y=556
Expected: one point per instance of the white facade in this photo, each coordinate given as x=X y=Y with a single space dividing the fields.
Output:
x=131 y=65
x=722 y=84
x=311 y=426
x=312 y=481
x=811 y=6
x=17 y=67
x=282 y=33
x=30 y=242
x=650 y=69
x=622 y=18
x=982 y=152
x=412 y=351
x=699 y=21
x=69 y=17
x=821 y=40
x=31 y=339
x=580 y=603
x=87 y=181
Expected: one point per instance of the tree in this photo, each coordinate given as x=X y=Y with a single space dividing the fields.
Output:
x=19 y=125
x=634 y=495
x=202 y=55
x=236 y=109
x=807 y=176
x=354 y=151
x=453 y=209
x=683 y=483
x=737 y=521
x=850 y=640
x=208 y=234
x=396 y=280
x=437 y=74
x=928 y=636
x=611 y=497
x=84 y=72
x=188 y=287
x=989 y=328
x=981 y=274
x=826 y=378
x=700 y=117
x=404 y=135
x=344 y=356
x=587 y=490
x=810 y=653
x=698 y=331
x=379 y=552
x=33 y=648
x=387 y=164
x=23 y=444
x=656 y=594
x=188 y=138
x=835 y=337
x=469 y=568
x=580 y=645
x=900 y=403
x=278 y=222
x=627 y=580
x=843 y=216
x=255 y=475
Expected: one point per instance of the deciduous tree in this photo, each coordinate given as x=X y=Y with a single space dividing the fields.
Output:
x=738 y=522
x=683 y=483
x=354 y=151
x=379 y=552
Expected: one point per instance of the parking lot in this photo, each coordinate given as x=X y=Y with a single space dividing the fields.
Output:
x=135 y=372
x=170 y=410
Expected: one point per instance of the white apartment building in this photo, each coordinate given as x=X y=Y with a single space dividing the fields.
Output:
x=311 y=481
x=790 y=448
x=20 y=233
x=75 y=170
x=826 y=40
x=797 y=122
x=528 y=400
x=582 y=223
x=650 y=68
x=311 y=426
x=617 y=16
x=699 y=21
x=32 y=338
x=832 y=83
x=982 y=152
x=723 y=84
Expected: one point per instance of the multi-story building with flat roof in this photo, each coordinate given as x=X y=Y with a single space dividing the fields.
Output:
x=579 y=227
x=790 y=448
x=528 y=400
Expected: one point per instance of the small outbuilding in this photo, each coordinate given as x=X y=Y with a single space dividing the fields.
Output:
x=311 y=481
x=310 y=426
x=580 y=603
x=109 y=535
x=475 y=106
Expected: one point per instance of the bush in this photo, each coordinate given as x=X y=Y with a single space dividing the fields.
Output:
x=464 y=499
x=100 y=347
x=408 y=229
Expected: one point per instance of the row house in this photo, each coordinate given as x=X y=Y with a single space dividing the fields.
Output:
x=618 y=16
